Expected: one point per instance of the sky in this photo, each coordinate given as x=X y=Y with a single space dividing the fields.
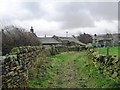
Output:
x=56 y=17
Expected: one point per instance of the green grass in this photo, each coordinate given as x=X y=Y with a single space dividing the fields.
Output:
x=86 y=73
x=92 y=77
x=62 y=56
x=112 y=50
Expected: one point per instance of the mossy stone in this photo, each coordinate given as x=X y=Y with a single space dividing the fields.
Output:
x=15 y=51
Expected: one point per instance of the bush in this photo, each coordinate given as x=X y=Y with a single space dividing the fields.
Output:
x=14 y=37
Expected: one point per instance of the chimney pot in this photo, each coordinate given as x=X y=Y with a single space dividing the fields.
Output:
x=32 y=30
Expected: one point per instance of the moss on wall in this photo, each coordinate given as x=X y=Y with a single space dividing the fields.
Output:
x=107 y=65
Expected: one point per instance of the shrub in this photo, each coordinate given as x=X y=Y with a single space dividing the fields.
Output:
x=13 y=37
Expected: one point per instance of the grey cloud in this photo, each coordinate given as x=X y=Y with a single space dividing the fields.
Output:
x=83 y=14
x=34 y=8
x=27 y=11
x=31 y=6
x=105 y=10
x=78 y=19
x=74 y=14
x=70 y=14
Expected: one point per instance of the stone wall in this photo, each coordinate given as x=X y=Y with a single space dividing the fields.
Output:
x=16 y=65
x=53 y=50
x=107 y=65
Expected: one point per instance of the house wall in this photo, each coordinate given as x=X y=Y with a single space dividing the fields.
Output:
x=113 y=42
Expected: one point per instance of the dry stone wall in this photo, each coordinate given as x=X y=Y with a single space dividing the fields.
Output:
x=15 y=66
x=107 y=65
x=53 y=50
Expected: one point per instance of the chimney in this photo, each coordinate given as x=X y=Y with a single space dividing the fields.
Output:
x=32 y=30
x=45 y=35
x=95 y=35
x=66 y=34
x=2 y=30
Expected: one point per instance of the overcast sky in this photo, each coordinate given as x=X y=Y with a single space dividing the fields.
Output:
x=55 y=17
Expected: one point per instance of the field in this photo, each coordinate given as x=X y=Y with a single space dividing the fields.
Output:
x=112 y=50
x=70 y=70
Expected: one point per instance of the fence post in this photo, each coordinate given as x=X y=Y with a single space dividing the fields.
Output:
x=107 y=52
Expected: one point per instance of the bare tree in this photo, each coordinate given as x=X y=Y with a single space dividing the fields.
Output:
x=14 y=37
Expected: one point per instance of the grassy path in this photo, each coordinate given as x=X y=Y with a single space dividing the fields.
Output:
x=70 y=70
x=66 y=74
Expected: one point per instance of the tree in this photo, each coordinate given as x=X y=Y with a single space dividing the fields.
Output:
x=15 y=37
x=85 y=38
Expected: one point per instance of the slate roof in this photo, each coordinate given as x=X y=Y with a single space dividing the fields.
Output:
x=104 y=37
x=70 y=39
x=48 y=40
x=116 y=35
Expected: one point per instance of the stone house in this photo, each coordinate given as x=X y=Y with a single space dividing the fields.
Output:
x=56 y=40
x=48 y=41
x=69 y=40
x=116 y=39
x=106 y=40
